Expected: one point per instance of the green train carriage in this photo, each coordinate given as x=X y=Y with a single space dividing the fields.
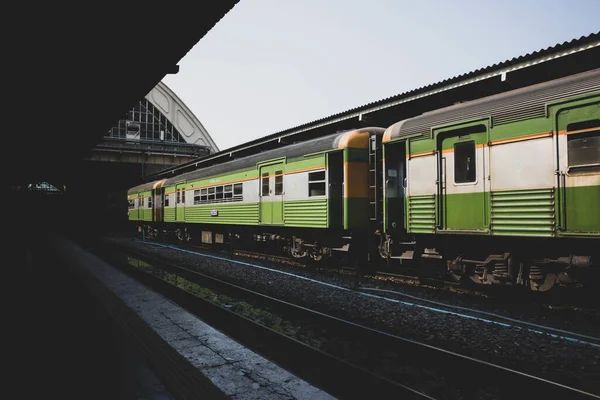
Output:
x=309 y=197
x=504 y=189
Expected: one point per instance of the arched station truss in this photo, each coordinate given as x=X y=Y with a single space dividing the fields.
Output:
x=162 y=116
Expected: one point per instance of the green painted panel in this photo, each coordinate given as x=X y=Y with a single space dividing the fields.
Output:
x=520 y=129
x=576 y=111
x=169 y=214
x=464 y=211
x=146 y=214
x=266 y=212
x=421 y=145
x=226 y=213
x=277 y=210
x=232 y=177
x=421 y=214
x=314 y=161
x=523 y=212
x=583 y=209
x=306 y=213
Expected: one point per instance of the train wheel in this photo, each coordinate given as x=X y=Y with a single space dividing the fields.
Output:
x=543 y=285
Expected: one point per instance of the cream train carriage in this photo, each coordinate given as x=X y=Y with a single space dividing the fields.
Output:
x=504 y=189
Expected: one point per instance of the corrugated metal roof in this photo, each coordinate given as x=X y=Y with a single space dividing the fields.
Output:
x=591 y=40
x=523 y=61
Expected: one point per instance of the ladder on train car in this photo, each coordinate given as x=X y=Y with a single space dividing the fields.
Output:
x=375 y=179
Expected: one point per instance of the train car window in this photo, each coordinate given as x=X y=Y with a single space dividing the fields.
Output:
x=211 y=194
x=196 y=196
x=316 y=184
x=228 y=195
x=238 y=192
x=265 y=184
x=167 y=200
x=203 y=195
x=583 y=149
x=219 y=192
x=237 y=189
x=464 y=162
x=177 y=196
x=183 y=196
x=150 y=202
x=278 y=182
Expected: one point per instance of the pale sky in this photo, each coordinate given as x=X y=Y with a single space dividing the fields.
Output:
x=269 y=65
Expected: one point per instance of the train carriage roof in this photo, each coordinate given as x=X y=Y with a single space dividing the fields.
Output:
x=145 y=187
x=329 y=142
x=513 y=106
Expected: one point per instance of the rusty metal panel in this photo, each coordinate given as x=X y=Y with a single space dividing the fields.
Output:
x=207 y=237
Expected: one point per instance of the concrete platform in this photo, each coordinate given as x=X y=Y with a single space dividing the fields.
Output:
x=192 y=359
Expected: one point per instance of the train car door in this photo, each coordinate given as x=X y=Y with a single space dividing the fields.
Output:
x=271 y=194
x=139 y=205
x=335 y=171
x=394 y=187
x=578 y=135
x=180 y=202
x=158 y=204
x=463 y=184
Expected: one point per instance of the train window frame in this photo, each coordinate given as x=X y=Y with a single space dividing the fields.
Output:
x=228 y=193
x=315 y=181
x=177 y=196
x=592 y=131
x=238 y=186
x=238 y=195
x=279 y=183
x=265 y=179
x=149 y=201
x=474 y=163
x=183 y=196
x=197 y=199
x=167 y=199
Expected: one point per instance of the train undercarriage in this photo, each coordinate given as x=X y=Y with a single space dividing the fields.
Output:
x=306 y=245
x=537 y=265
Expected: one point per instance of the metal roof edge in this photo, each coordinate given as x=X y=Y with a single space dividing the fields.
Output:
x=537 y=57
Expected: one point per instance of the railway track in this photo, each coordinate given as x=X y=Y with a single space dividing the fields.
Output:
x=431 y=283
x=380 y=275
x=378 y=364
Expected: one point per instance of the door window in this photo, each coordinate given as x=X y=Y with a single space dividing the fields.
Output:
x=464 y=162
x=265 y=184
x=278 y=182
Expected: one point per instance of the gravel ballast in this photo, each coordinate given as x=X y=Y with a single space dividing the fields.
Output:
x=555 y=359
